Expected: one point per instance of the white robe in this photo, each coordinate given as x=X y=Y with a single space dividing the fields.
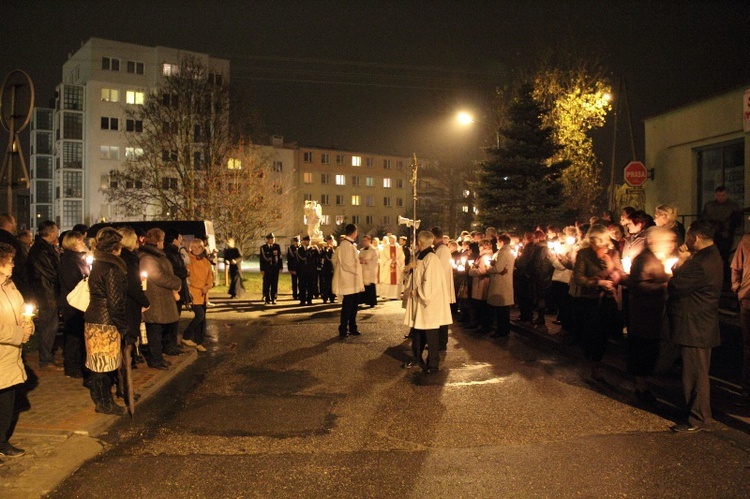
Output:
x=368 y=257
x=347 y=272
x=430 y=309
x=391 y=269
x=444 y=254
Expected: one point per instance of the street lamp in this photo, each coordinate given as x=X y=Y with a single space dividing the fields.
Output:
x=466 y=119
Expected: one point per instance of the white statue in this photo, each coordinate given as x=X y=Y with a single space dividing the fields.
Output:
x=313 y=213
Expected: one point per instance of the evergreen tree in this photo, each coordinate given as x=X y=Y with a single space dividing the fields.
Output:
x=518 y=188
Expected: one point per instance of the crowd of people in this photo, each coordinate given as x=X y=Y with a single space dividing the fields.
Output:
x=136 y=286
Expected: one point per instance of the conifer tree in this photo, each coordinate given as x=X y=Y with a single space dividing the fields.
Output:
x=518 y=188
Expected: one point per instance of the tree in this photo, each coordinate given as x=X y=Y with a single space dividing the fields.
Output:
x=247 y=196
x=518 y=187
x=577 y=98
x=177 y=140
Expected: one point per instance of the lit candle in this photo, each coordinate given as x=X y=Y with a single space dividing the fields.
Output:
x=28 y=312
x=486 y=261
x=669 y=263
x=90 y=261
x=626 y=264
x=461 y=268
x=570 y=240
x=144 y=280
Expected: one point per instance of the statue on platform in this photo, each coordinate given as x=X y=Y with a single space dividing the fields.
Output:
x=313 y=214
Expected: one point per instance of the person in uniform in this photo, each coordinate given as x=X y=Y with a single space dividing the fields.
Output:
x=270 y=266
x=368 y=258
x=326 y=270
x=307 y=261
x=292 y=264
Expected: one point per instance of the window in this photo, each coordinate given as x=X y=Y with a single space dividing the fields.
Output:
x=368 y=219
x=278 y=166
x=133 y=97
x=386 y=201
x=325 y=178
x=368 y=161
x=308 y=197
x=340 y=179
x=399 y=202
x=133 y=152
x=73 y=126
x=43 y=167
x=722 y=165
x=234 y=164
x=72 y=213
x=72 y=184
x=355 y=180
x=399 y=165
x=356 y=160
x=109 y=152
x=339 y=200
x=170 y=69
x=110 y=123
x=216 y=79
x=400 y=183
x=134 y=125
x=307 y=178
x=340 y=159
x=43 y=191
x=133 y=184
x=110 y=64
x=386 y=219
x=169 y=100
x=110 y=95
x=325 y=220
x=355 y=200
x=370 y=201
x=339 y=219
x=308 y=157
x=369 y=182
x=325 y=199
x=73 y=155
x=387 y=183
x=325 y=158
x=387 y=164
x=135 y=67
x=169 y=183
x=73 y=98
x=355 y=219
x=465 y=208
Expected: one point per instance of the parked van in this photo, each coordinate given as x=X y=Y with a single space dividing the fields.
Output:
x=188 y=229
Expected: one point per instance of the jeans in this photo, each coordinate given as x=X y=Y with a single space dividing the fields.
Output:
x=196 y=329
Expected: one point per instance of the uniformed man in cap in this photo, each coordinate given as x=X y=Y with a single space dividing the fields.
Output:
x=270 y=266
x=326 y=270
x=308 y=258
x=292 y=264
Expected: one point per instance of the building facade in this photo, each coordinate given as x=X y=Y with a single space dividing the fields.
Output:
x=696 y=148
x=90 y=129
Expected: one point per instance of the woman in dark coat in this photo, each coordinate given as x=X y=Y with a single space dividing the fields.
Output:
x=105 y=319
x=136 y=299
x=233 y=258
x=596 y=273
x=73 y=267
x=648 y=298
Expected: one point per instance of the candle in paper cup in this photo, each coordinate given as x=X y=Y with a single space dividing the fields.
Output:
x=28 y=311
x=570 y=240
x=144 y=280
x=90 y=260
x=626 y=264
x=669 y=263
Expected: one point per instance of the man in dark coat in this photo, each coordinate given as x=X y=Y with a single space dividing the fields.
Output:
x=43 y=265
x=307 y=269
x=270 y=266
x=8 y=228
x=291 y=265
x=173 y=250
x=693 y=310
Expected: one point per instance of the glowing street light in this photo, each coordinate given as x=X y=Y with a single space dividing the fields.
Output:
x=465 y=119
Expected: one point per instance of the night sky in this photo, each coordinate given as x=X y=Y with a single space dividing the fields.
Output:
x=387 y=76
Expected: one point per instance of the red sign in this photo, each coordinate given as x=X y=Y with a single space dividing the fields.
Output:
x=635 y=174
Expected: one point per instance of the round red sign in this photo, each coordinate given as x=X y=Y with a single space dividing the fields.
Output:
x=635 y=174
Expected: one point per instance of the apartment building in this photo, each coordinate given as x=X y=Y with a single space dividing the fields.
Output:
x=89 y=127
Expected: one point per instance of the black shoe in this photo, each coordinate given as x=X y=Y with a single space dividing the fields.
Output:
x=113 y=408
x=645 y=396
x=412 y=363
x=499 y=335
x=354 y=333
x=686 y=428
x=7 y=450
x=161 y=366
x=343 y=336
x=432 y=370
x=273 y=302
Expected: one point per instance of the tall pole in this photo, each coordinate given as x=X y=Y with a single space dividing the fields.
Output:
x=414 y=170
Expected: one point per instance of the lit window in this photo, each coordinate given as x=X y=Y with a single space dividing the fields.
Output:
x=465 y=208
x=340 y=180
x=307 y=177
x=133 y=152
x=325 y=158
x=110 y=95
x=234 y=164
x=356 y=160
x=369 y=182
x=133 y=97
x=339 y=200
x=109 y=152
x=355 y=200
x=339 y=219
x=387 y=183
x=467 y=193
x=170 y=69
x=325 y=220
x=308 y=157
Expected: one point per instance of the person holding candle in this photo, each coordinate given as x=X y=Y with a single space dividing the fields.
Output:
x=73 y=268
x=665 y=215
x=106 y=324
x=647 y=283
x=16 y=327
x=500 y=291
x=136 y=301
x=596 y=273
x=200 y=281
x=479 y=285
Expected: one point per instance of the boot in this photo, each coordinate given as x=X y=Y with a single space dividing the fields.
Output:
x=106 y=404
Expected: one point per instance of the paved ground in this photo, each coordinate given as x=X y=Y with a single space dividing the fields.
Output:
x=282 y=408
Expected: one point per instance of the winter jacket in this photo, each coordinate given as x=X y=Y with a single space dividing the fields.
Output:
x=73 y=268
x=589 y=270
x=201 y=275
x=647 y=284
x=108 y=291
x=12 y=371
x=500 y=289
x=136 y=297
x=20 y=271
x=160 y=286
x=175 y=256
x=43 y=265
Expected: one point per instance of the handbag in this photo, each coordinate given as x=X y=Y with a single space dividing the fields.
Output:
x=79 y=297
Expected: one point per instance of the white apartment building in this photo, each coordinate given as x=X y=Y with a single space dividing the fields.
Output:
x=89 y=128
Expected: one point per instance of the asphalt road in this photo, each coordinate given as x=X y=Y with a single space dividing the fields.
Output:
x=280 y=407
